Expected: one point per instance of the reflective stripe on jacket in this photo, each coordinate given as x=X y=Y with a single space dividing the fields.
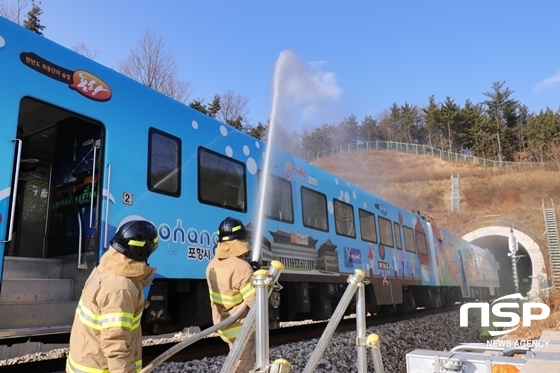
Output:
x=106 y=334
x=229 y=284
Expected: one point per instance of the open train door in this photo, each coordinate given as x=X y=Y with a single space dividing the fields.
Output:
x=51 y=208
x=57 y=204
x=50 y=217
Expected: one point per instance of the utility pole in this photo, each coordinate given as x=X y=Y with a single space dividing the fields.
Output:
x=455 y=193
x=513 y=246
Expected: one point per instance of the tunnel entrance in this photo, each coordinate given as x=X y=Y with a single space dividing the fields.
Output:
x=495 y=239
x=498 y=245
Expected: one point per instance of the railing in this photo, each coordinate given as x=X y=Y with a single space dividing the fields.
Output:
x=553 y=247
x=428 y=150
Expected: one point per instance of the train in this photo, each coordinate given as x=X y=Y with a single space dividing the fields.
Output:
x=85 y=149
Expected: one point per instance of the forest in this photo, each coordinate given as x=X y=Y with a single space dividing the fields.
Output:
x=499 y=128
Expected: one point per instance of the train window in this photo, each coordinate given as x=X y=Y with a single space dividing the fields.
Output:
x=408 y=239
x=221 y=181
x=367 y=226
x=473 y=260
x=398 y=240
x=344 y=219
x=314 y=205
x=422 y=244
x=164 y=163
x=385 y=232
x=451 y=247
x=278 y=205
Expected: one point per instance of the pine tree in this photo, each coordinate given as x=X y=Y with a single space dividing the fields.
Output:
x=214 y=107
x=199 y=105
x=210 y=109
x=32 y=22
x=502 y=111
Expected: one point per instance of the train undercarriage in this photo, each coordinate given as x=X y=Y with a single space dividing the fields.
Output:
x=177 y=304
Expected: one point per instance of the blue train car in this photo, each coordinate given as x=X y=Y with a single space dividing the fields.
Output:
x=85 y=149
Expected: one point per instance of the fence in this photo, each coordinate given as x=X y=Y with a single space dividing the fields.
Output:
x=428 y=150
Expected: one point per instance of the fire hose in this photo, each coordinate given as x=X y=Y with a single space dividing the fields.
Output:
x=187 y=342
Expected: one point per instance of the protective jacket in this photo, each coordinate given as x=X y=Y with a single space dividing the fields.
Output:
x=106 y=334
x=229 y=284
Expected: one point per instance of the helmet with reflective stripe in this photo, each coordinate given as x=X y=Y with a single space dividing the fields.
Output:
x=136 y=239
x=231 y=229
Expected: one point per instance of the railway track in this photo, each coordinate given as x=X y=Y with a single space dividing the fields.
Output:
x=214 y=346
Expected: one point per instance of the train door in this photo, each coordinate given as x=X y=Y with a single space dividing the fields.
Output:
x=464 y=286
x=54 y=203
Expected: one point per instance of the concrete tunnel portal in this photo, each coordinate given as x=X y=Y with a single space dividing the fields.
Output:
x=529 y=267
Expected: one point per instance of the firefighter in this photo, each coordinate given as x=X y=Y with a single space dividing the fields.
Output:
x=229 y=283
x=106 y=334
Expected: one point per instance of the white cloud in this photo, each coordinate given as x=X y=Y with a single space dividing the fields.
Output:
x=548 y=83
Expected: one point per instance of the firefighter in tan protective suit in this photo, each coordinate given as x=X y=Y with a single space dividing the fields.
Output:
x=106 y=334
x=229 y=283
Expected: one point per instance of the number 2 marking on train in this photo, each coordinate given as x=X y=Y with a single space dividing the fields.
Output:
x=127 y=198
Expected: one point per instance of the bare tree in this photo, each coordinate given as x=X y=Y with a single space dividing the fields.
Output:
x=152 y=65
x=234 y=110
x=553 y=151
x=384 y=124
x=84 y=50
x=13 y=9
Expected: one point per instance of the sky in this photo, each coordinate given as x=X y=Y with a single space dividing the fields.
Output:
x=318 y=62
